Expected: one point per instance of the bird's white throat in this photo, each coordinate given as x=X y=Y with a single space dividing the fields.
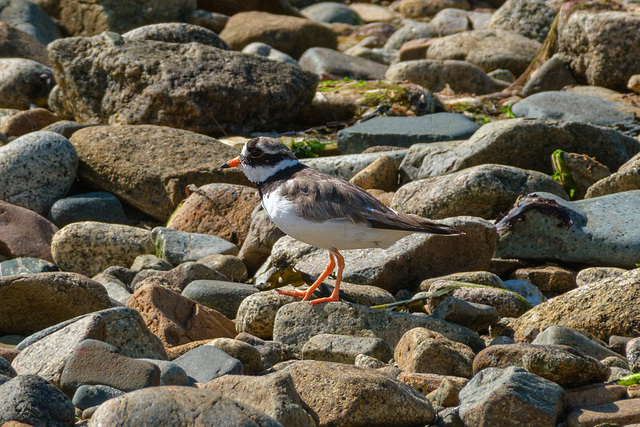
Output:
x=257 y=174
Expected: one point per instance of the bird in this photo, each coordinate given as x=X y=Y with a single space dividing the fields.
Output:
x=323 y=210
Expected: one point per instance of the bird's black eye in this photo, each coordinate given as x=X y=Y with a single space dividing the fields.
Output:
x=256 y=152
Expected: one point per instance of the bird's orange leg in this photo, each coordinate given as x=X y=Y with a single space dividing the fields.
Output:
x=307 y=294
x=336 y=290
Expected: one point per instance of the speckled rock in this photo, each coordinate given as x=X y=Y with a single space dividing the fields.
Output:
x=530 y=19
x=222 y=296
x=26 y=266
x=176 y=279
x=24 y=233
x=345 y=349
x=36 y=170
x=178 y=247
x=471 y=315
x=247 y=354
x=176 y=32
x=261 y=237
x=87 y=396
x=548 y=278
x=15 y=43
x=229 y=265
x=579 y=340
x=592 y=275
x=28 y=121
x=90 y=247
x=23 y=82
x=625 y=179
x=170 y=373
x=426 y=8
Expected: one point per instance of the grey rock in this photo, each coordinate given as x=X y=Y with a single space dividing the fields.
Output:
x=33 y=400
x=531 y=19
x=206 y=362
x=405 y=131
x=330 y=64
x=99 y=206
x=87 y=396
x=436 y=74
x=6 y=369
x=228 y=265
x=501 y=340
x=176 y=32
x=262 y=49
x=471 y=315
x=331 y=12
x=170 y=373
x=522 y=143
x=175 y=405
x=277 y=90
x=553 y=75
x=450 y=21
x=178 y=246
x=296 y=323
x=603 y=232
x=36 y=170
x=529 y=291
x=498 y=396
x=125 y=275
x=633 y=354
x=574 y=107
x=116 y=289
x=368 y=362
x=90 y=247
x=224 y=297
x=583 y=341
x=503 y=75
x=625 y=179
x=30 y=18
x=178 y=278
x=271 y=351
x=347 y=166
x=593 y=275
x=246 y=353
x=484 y=191
x=344 y=348
x=411 y=31
x=67 y=128
x=24 y=82
x=150 y=262
x=26 y=266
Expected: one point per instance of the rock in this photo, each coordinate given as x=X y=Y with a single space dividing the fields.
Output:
x=116 y=289
x=261 y=49
x=45 y=353
x=223 y=210
x=373 y=13
x=95 y=362
x=87 y=20
x=595 y=274
x=224 y=297
x=28 y=121
x=561 y=364
x=583 y=170
x=484 y=191
x=531 y=19
x=347 y=166
x=553 y=75
x=26 y=266
x=574 y=107
x=170 y=373
x=178 y=246
x=274 y=394
x=522 y=143
x=436 y=74
x=625 y=179
x=271 y=351
x=428 y=383
x=423 y=255
x=296 y=323
x=177 y=405
x=336 y=392
x=206 y=362
x=150 y=262
x=425 y=351
x=15 y=43
x=489 y=49
x=177 y=278
x=446 y=394
x=24 y=82
x=405 y=131
x=621 y=412
x=485 y=278
x=229 y=265
x=6 y=369
x=587 y=40
x=90 y=247
x=67 y=128
x=170 y=94
x=247 y=354
x=426 y=8
x=345 y=349
x=177 y=320
x=602 y=232
x=231 y=7
x=36 y=301
x=582 y=341
x=287 y=34
x=632 y=351
x=507 y=303
x=176 y=32
x=24 y=233
x=413 y=30
x=330 y=64
x=330 y=12
x=527 y=290
x=34 y=401
x=452 y=21
x=471 y=315
x=36 y=170
x=634 y=83
x=87 y=396
x=117 y=158
x=594 y=394
x=548 y=278
x=496 y=397
x=262 y=235
x=98 y=206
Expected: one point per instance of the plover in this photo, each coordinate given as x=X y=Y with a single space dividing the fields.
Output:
x=323 y=210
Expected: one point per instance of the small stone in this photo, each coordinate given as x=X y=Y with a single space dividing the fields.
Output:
x=633 y=354
x=634 y=83
x=547 y=278
x=87 y=396
x=261 y=49
x=368 y=362
x=206 y=362
x=485 y=278
x=178 y=247
x=6 y=369
x=594 y=394
x=527 y=290
x=579 y=340
x=229 y=265
x=98 y=206
x=178 y=278
x=345 y=349
x=262 y=235
x=382 y=174
x=474 y=316
x=427 y=383
x=621 y=412
x=26 y=266
x=330 y=64
x=595 y=274
x=15 y=43
x=446 y=394
x=24 y=234
x=170 y=373
x=28 y=121
x=222 y=296
x=247 y=354
x=271 y=351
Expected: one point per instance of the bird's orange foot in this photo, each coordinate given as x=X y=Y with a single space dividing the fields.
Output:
x=327 y=299
x=293 y=293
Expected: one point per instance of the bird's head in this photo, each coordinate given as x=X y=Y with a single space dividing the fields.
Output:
x=261 y=158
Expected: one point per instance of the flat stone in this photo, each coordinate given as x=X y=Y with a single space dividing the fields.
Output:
x=595 y=394
x=547 y=278
x=296 y=323
x=582 y=341
x=116 y=289
x=228 y=265
x=90 y=247
x=206 y=362
x=330 y=12
x=97 y=206
x=330 y=64
x=405 y=131
x=485 y=278
x=26 y=266
x=498 y=396
x=247 y=354
x=621 y=412
x=178 y=278
x=471 y=315
x=87 y=396
x=344 y=348
x=178 y=246
x=347 y=166
x=24 y=233
x=224 y=297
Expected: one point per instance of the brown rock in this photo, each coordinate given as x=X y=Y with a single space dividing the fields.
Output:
x=177 y=320
x=414 y=49
x=8 y=354
x=245 y=353
x=625 y=179
x=385 y=197
x=290 y=35
x=428 y=383
x=547 y=278
x=177 y=278
x=223 y=210
x=18 y=44
x=228 y=265
x=585 y=171
x=382 y=174
x=24 y=233
x=117 y=159
x=423 y=350
x=28 y=121
x=594 y=394
x=446 y=394
x=427 y=8
x=622 y=412
x=560 y=364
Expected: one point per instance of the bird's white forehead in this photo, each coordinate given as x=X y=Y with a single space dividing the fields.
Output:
x=266 y=147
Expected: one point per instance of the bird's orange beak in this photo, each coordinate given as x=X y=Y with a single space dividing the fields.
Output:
x=233 y=163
